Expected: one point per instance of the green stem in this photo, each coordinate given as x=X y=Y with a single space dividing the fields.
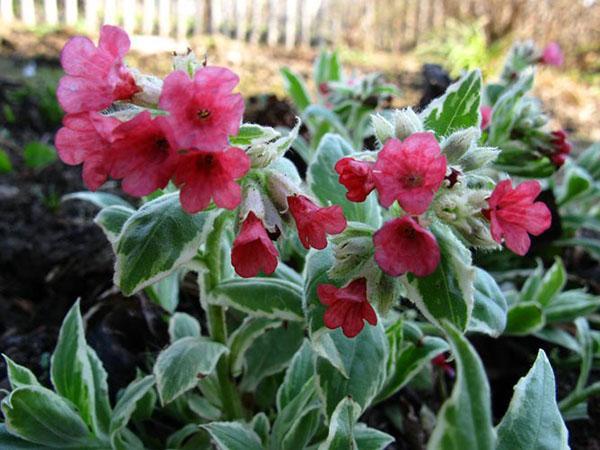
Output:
x=217 y=324
x=577 y=397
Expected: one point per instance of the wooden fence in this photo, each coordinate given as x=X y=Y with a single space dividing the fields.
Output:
x=384 y=24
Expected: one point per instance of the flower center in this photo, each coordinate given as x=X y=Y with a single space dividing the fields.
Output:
x=203 y=114
x=205 y=161
x=412 y=180
x=162 y=145
x=409 y=232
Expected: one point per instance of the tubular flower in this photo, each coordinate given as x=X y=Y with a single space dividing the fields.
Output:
x=347 y=307
x=203 y=112
x=86 y=138
x=486 y=116
x=313 y=222
x=202 y=175
x=252 y=250
x=357 y=178
x=552 y=55
x=402 y=245
x=410 y=171
x=513 y=214
x=143 y=154
x=95 y=76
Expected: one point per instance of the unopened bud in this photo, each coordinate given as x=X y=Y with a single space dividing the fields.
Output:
x=150 y=89
x=382 y=127
x=187 y=62
x=478 y=157
x=406 y=122
x=458 y=143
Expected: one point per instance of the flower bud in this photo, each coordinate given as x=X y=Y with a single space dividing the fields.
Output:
x=150 y=89
x=382 y=127
x=458 y=143
x=262 y=153
x=382 y=289
x=350 y=257
x=406 y=122
x=187 y=62
x=478 y=157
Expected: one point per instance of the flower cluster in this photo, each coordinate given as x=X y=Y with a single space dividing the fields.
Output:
x=414 y=172
x=177 y=130
x=560 y=148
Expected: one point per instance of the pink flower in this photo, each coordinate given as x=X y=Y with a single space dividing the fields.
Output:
x=143 y=154
x=357 y=178
x=402 y=245
x=86 y=138
x=513 y=214
x=203 y=111
x=552 y=55
x=95 y=76
x=410 y=171
x=252 y=250
x=314 y=223
x=347 y=307
x=202 y=175
x=486 y=116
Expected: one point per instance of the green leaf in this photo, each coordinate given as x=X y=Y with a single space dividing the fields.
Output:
x=262 y=427
x=341 y=426
x=178 y=367
x=11 y=442
x=127 y=404
x=533 y=420
x=71 y=369
x=524 y=318
x=252 y=134
x=233 y=436
x=19 y=376
x=577 y=182
x=296 y=89
x=569 y=305
x=101 y=401
x=157 y=239
x=98 y=198
x=350 y=367
x=551 y=284
x=261 y=297
x=465 y=420
x=183 y=325
x=38 y=415
x=323 y=182
x=326 y=120
x=408 y=361
x=244 y=336
x=202 y=407
x=260 y=364
x=371 y=439
x=490 y=307
x=286 y=426
x=165 y=292
x=301 y=369
x=503 y=114
x=458 y=108
x=111 y=220
x=448 y=293
x=5 y=163
x=38 y=155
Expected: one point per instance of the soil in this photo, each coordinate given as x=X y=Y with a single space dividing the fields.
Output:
x=51 y=254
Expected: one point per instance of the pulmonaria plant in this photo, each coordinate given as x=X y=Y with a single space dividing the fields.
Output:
x=300 y=281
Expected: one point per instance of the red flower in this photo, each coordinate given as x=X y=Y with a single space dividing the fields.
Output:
x=347 y=307
x=552 y=55
x=486 y=116
x=95 y=76
x=203 y=111
x=410 y=171
x=441 y=362
x=86 y=138
x=314 y=223
x=513 y=214
x=143 y=154
x=202 y=175
x=357 y=178
x=402 y=245
x=252 y=250
x=560 y=143
x=558 y=159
